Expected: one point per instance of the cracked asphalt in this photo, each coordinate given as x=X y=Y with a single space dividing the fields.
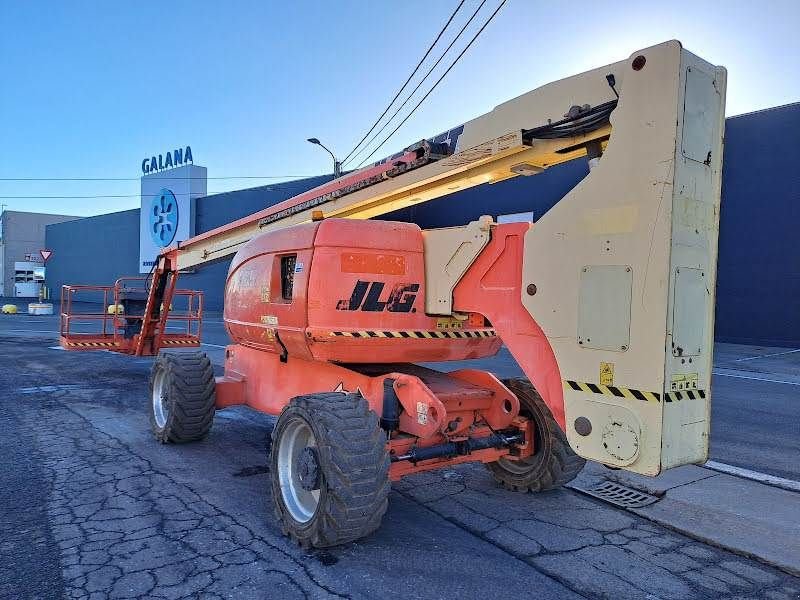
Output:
x=92 y=507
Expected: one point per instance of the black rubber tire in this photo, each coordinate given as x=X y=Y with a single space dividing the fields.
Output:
x=553 y=463
x=188 y=393
x=354 y=469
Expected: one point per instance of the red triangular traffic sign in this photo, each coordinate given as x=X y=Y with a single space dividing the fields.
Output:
x=45 y=254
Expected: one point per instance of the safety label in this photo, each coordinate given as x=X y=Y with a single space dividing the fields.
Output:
x=606 y=373
x=449 y=323
x=684 y=381
x=422 y=413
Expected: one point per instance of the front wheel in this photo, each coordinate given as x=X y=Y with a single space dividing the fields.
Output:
x=330 y=469
x=182 y=398
x=553 y=463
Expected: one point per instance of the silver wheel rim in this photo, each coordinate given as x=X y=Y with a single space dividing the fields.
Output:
x=160 y=410
x=301 y=503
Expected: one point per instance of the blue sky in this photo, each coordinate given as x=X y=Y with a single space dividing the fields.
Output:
x=88 y=89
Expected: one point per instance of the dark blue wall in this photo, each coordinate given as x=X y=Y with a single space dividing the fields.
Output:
x=759 y=261
x=93 y=251
x=758 y=284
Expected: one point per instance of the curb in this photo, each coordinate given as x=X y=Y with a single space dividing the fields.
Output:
x=743 y=516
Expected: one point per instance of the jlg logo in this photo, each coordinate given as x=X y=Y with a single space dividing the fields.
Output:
x=366 y=296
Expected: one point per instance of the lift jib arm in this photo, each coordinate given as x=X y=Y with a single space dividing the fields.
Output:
x=548 y=126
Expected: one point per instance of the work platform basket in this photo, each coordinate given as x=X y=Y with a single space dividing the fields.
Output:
x=96 y=317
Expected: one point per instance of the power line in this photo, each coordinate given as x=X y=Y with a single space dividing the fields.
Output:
x=92 y=197
x=270 y=188
x=489 y=20
x=421 y=81
x=138 y=178
x=400 y=91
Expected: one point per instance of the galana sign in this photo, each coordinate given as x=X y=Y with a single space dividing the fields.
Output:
x=176 y=158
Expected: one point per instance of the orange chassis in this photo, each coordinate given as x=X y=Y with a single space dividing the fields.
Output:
x=285 y=348
x=439 y=409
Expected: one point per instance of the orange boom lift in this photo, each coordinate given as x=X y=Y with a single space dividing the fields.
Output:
x=606 y=303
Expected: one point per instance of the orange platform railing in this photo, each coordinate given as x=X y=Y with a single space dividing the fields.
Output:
x=97 y=317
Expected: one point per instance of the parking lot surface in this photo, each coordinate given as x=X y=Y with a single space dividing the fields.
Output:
x=93 y=507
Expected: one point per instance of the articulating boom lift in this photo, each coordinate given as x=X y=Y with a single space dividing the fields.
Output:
x=606 y=303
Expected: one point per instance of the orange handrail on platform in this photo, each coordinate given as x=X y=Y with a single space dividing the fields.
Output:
x=119 y=330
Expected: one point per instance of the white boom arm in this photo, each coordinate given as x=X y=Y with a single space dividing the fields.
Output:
x=493 y=147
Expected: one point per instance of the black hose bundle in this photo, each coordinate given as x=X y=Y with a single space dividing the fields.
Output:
x=578 y=121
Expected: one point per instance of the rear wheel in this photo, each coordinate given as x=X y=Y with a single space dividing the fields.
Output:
x=330 y=469
x=182 y=397
x=553 y=463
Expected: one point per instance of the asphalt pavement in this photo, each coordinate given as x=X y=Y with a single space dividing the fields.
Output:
x=92 y=507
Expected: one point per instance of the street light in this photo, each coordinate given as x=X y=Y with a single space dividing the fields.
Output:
x=337 y=166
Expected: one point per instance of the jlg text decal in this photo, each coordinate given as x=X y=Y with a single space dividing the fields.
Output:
x=366 y=296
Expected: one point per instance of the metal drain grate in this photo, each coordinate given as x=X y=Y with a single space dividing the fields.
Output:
x=618 y=494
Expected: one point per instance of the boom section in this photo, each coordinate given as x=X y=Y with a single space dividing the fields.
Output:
x=547 y=126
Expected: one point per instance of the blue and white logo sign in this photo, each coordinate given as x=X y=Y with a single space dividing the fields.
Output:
x=163 y=218
x=167 y=210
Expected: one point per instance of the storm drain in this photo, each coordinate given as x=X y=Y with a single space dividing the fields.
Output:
x=618 y=494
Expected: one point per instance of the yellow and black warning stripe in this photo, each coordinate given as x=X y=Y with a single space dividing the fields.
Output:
x=181 y=342
x=684 y=395
x=613 y=390
x=416 y=334
x=631 y=394
x=91 y=344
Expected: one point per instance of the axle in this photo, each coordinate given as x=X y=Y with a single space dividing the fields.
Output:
x=500 y=439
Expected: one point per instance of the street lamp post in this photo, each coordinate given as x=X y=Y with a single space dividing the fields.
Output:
x=337 y=166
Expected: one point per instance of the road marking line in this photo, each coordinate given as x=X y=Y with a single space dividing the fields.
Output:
x=214 y=346
x=50 y=388
x=28 y=331
x=34 y=319
x=756 y=378
x=787 y=484
x=766 y=355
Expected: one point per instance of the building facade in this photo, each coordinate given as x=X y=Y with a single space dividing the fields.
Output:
x=22 y=236
x=759 y=261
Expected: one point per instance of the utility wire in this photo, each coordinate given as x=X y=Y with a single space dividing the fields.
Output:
x=138 y=178
x=269 y=188
x=489 y=20
x=67 y=197
x=85 y=197
x=400 y=91
x=411 y=95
